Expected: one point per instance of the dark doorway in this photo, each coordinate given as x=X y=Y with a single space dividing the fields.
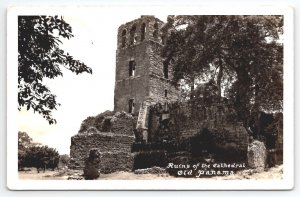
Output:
x=143 y=30
x=131 y=106
x=155 y=32
x=166 y=70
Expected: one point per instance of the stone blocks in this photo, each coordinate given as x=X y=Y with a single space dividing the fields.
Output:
x=257 y=155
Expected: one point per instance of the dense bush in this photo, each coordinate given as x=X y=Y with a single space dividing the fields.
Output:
x=35 y=155
x=64 y=160
x=40 y=157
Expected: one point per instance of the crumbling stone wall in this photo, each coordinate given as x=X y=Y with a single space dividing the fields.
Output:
x=181 y=121
x=110 y=133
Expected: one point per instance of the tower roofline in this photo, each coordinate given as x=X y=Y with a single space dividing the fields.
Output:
x=143 y=17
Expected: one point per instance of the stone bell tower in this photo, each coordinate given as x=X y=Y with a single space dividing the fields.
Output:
x=142 y=77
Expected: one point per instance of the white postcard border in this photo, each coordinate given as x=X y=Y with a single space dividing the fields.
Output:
x=287 y=182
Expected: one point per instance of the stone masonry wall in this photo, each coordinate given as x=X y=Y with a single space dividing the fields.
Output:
x=148 y=82
x=159 y=85
x=112 y=134
x=149 y=22
x=115 y=150
x=181 y=121
x=131 y=87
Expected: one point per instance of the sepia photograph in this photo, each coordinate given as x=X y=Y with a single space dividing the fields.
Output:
x=124 y=95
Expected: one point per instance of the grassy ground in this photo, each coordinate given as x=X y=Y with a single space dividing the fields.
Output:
x=272 y=173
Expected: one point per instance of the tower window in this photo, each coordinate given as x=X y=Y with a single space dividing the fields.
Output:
x=131 y=68
x=131 y=106
x=123 y=38
x=155 y=32
x=166 y=70
x=166 y=93
x=132 y=35
x=143 y=30
x=163 y=40
x=166 y=106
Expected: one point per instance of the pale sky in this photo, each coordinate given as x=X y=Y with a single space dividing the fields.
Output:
x=80 y=96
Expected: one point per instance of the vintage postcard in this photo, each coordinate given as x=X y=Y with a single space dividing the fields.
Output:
x=156 y=97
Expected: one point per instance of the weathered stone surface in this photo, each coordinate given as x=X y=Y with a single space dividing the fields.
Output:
x=257 y=155
x=107 y=143
x=92 y=130
x=91 y=168
x=116 y=161
x=122 y=123
x=114 y=142
x=149 y=81
x=118 y=122
x=95 y=124
x=186 y=120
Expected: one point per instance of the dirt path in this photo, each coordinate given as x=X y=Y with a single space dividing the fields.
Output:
x=272 y=173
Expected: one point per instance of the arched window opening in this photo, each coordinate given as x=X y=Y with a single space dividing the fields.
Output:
x=166 y=70
x=123 y=38
x=166 y=93
x=132 y=35
x=143 y=30
x=155 y=32
x=163 y=39
x=131 y=106
x=131 y=68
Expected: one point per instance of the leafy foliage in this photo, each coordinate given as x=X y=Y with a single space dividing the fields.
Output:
x=242 y=54
x=39 y=57
x=24 y=140
x=33 y=155
x=64 y=160
x=40 y=157
x=184 y=49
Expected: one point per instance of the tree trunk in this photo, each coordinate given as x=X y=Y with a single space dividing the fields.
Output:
x=219 y=77
x=242 y=99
